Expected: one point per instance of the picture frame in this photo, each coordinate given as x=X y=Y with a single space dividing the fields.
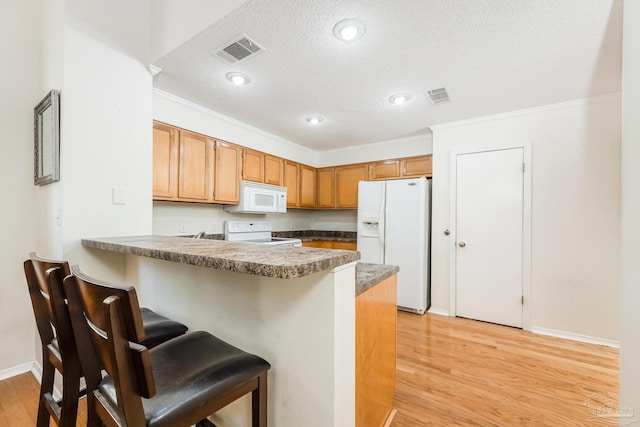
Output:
x=46 y=129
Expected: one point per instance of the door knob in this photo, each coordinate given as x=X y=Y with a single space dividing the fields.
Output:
x=462 y=244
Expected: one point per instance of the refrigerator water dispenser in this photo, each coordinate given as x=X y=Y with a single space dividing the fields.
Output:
x=369 y=226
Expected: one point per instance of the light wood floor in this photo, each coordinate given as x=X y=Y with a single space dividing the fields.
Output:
x=19 y=402
x=458 y=372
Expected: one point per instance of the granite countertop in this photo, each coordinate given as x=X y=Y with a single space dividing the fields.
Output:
x=369 y=275
x=304 y=235
x=283 y=262
x=310 y=235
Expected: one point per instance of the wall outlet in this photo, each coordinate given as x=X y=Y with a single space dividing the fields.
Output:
x=182 y=228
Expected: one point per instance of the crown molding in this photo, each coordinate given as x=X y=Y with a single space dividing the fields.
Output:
x=517 y=113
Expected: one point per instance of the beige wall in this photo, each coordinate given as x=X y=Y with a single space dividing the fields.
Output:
x=107 y=111
x=630 y=287
x=575 y=261
x=96 y=54
x=21 y=91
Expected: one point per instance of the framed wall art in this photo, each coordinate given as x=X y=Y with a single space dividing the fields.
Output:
x=46 y=127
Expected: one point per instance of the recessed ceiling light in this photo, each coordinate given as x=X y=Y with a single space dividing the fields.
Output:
x=348 y=30
x=399 y=98
x=238 y=79
x=315 y=120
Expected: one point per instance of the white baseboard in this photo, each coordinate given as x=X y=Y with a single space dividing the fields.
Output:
x=36 y=370
x=16 y=370
x=553 y=333
x=438 y=311
x=575 y=337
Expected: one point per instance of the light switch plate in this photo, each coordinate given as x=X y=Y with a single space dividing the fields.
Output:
x=119 y=196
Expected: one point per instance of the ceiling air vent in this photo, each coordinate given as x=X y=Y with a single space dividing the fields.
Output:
x=438 y=96
x=238 y=50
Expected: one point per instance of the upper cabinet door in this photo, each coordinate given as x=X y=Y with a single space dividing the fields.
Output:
x=292 y=182
x=227 y=173
x=307 y=186
x=417 y=166
x=273 y=170
x=252 y=165
x=347 y=178
x=325 y=188
x=385 y=169
x=165 y=162
x=194 y=167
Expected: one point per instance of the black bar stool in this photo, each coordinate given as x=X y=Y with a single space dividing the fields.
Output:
x=178 y=383
x=59 y=350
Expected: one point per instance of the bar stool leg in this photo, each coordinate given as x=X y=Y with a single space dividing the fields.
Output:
x=205 y=423
x=71 y=394
x=46 y=386
x=259 y=403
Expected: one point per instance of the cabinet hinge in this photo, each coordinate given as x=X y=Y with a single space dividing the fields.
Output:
x=523 y=167
x=522 y=300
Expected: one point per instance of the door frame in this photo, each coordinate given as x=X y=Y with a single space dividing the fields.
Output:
x=526 y=223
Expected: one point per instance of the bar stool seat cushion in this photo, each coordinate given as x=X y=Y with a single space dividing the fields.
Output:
x=188 y=370
x=158 y=329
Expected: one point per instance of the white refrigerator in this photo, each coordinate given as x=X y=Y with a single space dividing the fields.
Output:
x=394 y=228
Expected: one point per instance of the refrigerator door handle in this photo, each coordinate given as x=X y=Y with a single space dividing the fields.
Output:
x=387 y=242
x=382 y=224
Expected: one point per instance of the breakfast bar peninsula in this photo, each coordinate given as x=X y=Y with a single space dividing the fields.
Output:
x=295 y=307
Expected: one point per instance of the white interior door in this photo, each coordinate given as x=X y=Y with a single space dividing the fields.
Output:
x=489 y=236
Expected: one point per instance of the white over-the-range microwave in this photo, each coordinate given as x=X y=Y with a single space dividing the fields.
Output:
x=260 y=198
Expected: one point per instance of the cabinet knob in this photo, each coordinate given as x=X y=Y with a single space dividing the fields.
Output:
x=462 y=244
x=447 y=232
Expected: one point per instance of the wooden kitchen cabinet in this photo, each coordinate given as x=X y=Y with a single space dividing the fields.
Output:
x=252 y=165
x=165 y=161
x=331 y=244
x=194 y=167
x=191 y=167
x=273 y=170
x=407 y=167
x=228 y=161
x=325 y=196
x=292 y=182
x=376 y=324
x=416 y=166
x=307 y=187
x=347 y=178
x=349 y=246
x=262 y=167
x=386 y=169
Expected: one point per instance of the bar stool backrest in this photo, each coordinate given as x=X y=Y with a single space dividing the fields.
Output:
x=48 y=304
x=59 y=351
x=115 y=328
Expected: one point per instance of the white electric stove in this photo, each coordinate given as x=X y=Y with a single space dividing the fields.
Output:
x=255 y=232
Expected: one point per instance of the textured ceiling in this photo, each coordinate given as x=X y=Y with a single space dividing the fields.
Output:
x=493 y=56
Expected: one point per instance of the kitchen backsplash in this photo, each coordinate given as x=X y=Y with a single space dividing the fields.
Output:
x=171 y=218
